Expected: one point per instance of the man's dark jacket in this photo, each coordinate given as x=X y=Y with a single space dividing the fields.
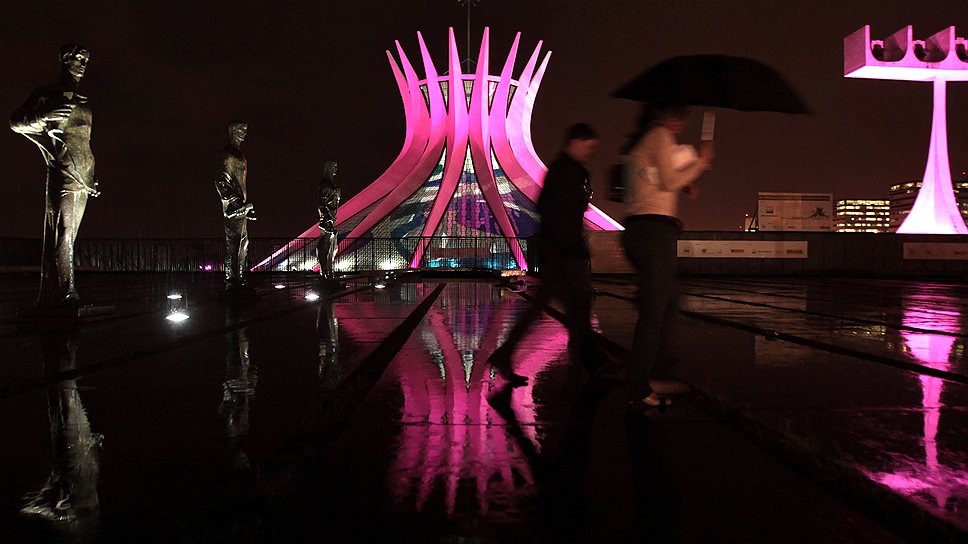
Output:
x=562 y=205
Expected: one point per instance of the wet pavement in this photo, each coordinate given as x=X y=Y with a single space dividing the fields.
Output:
x=371 y=415
x=866 y=377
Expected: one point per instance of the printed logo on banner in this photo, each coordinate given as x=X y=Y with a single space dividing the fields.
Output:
x=739 y=249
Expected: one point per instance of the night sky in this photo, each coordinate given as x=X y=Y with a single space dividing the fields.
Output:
x=313 y=81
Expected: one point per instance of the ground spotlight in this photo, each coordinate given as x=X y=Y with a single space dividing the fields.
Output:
x=380 y=284
x=177 y=317
x=312 y=296
x=174 y=296
x=279 y=286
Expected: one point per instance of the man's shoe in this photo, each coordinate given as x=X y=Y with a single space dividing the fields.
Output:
x=502 y=363
x=514 y=380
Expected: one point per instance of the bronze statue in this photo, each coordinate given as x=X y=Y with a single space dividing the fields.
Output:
x=328 y=204
x=236 y=208
x=57 y=119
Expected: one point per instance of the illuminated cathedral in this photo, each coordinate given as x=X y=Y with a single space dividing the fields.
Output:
x=467 y=172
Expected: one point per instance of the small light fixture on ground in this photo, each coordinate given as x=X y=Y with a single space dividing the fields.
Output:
x=279 y=286
x=312 y=297
x=177 y=317
x=380 y=284
x=174 y=296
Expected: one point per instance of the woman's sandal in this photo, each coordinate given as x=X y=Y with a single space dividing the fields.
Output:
x=652 y=401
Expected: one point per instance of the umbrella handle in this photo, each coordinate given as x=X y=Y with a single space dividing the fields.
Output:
x=708 y=125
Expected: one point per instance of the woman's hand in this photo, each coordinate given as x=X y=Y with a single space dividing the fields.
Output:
x=707 y=152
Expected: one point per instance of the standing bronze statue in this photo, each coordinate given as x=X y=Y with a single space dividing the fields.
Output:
x=236 y=209
x=57 y=119
x=328 y=204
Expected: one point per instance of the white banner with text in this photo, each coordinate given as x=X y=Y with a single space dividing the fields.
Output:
x=935 y=251
x=742 y=249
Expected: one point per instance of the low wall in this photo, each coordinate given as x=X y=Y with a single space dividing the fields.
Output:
x=20 y=254
x=833 y=253
x=713 y=253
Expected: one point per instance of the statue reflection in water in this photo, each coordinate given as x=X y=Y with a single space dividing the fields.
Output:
x=327 y=330
x=69 y=496
x=238 y=390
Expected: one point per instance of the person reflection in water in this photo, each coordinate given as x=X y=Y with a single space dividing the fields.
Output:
x=57 y=119
x=69 y=497
x=564 y=256
x=327 y=330
x=238 y=390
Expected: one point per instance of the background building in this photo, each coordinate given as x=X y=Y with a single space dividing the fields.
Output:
x=862 y=216
x=903 y=196
x=812 y=212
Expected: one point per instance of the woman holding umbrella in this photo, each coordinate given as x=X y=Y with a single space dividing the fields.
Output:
x=657 y=170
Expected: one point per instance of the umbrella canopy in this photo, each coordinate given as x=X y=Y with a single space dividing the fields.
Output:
x=718 y=81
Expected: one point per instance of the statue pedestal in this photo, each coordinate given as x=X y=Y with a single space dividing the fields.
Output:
x=64 y=313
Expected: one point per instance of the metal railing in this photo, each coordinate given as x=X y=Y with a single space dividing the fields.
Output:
x=354 y=254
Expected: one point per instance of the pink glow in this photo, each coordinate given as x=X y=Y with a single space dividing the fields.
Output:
x=900 y=57
x=430 y=123
x=450 y=435
x=930 y=477
x=457 y=136
x=935 y=211
x=503 y=128
x=409 y=154
x=480 y=140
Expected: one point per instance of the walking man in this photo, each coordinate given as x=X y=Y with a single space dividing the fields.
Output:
x=563 y=251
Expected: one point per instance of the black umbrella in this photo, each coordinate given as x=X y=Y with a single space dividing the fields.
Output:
x=718 y=81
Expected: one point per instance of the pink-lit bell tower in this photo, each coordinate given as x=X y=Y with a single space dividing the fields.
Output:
x=938 y=59
x=467 y=169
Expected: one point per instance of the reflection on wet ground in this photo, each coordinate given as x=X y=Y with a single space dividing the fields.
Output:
x=882 y=412
x=68 y=497
x=929 y=479
x=371 y=415
x=453 y=386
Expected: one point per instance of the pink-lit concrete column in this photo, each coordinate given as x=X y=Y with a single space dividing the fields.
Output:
x=936 y=210
x=937 y=59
